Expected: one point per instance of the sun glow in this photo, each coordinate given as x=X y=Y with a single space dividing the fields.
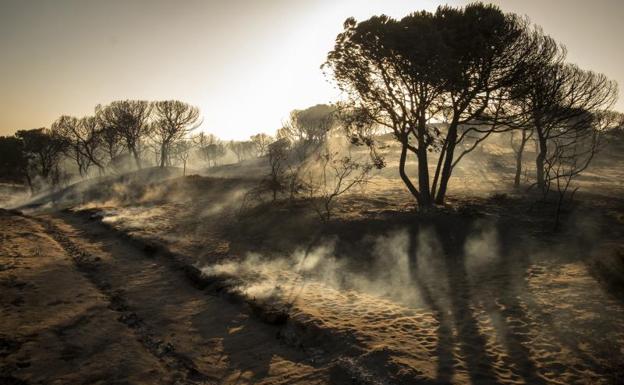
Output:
x=246 y=64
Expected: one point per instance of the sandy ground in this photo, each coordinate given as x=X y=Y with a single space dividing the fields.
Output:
x=531 y=314
x=483 y=293
x=82 y=306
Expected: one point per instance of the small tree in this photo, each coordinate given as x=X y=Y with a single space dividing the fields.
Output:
x=209 y=148
x=261 y=141
x=43 y=151
x=131 y=121
x=242 y=150
x=275 y=182
x=92 y=141
x=83 y=139
x=214 y=152
x=67 y=127
x=336 y=174
x=109 y=135
x=182 y=150
x=173 y=121
x=307 y=132
x=559 y=102
x=571 y=154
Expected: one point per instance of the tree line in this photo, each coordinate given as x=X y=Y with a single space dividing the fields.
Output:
x=116 y=134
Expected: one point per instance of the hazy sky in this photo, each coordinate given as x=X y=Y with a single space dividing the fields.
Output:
x=245 y=63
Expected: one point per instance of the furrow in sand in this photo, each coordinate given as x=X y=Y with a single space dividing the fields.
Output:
x=202 y=337
x=88 y=265
x=57 y=327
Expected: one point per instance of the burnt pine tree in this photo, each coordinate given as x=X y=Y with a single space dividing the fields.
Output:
x=449 y=66
x=515 y=113
x=261 y=141
x=42 y=150
x=518 y=149
x=108 y=134
x=130 y=120
x=83 y=140
x=174 y=120
x=308 y=129
x=209 y=148
x=560 y=101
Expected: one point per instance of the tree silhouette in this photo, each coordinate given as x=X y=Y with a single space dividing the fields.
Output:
x=336 y=174
x=278 y=153
x=109 y=135
x=307 y=129
x=181 y=150
x=559 y=103
x=83 y=140
x=130 y=120
x=173 y=121
x=451 y=66
x=242 y=149
x=209 y=148
x=261 y=141
x=518 y=149
x=42 y=150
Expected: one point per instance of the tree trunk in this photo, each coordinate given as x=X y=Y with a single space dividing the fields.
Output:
x=447 y=168
x=327 y=211
x=29 y=181
x=423 y=165
x=136 y=157
x=558 y=212
x=539 y=161
x=519 y=159
x=436 y=176
x=163 y=155
x=410 y=186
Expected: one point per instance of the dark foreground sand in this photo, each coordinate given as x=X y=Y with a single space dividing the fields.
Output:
x=87 y=308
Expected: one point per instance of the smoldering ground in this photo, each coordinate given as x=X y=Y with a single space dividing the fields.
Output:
x=480 y=288
x=481 y=282
x=397 y=264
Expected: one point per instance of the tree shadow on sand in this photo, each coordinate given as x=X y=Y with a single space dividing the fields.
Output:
x=245 y=356
x=440 y=274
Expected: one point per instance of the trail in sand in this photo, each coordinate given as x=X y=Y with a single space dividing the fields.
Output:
x=81 y=305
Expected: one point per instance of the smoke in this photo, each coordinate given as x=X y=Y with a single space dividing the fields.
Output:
x=481 y=250
x=46 y=194
x=230 y=201
x=390 y=271
x=12 y=195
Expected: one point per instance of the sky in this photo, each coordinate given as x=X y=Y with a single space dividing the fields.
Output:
x=245 y=63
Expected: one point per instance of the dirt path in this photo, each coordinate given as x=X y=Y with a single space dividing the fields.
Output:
x=81 y=305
